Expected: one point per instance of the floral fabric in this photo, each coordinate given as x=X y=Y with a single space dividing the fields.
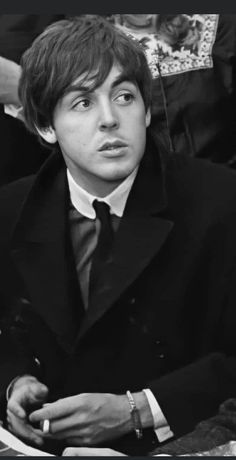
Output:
x=192 y=53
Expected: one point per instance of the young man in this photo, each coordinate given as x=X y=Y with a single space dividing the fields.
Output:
x=126 y=317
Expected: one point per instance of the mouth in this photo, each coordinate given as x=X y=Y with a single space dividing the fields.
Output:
x=112 y=146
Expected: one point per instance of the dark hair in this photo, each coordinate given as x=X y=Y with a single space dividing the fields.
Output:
x=84 y=45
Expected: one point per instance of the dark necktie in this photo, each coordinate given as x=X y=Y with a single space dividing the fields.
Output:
x=102 y=253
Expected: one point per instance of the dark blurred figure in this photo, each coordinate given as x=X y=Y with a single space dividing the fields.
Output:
x=214 y=437
x=21 y=153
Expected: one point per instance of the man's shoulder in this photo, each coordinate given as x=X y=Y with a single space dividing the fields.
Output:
x=16 y=191
x=201 y=175
x=12 y=197
x=201 y=187
x=185 y=164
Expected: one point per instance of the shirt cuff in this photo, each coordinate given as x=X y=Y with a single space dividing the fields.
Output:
x=161 y=427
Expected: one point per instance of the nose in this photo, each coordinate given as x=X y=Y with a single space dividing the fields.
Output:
x=108 y=118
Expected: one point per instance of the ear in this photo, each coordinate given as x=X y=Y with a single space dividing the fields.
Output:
x=148 y=117
x=48 y=134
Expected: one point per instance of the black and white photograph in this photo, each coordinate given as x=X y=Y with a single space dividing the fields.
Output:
x=118 y=234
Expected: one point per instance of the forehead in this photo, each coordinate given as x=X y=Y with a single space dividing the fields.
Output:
x=91 y=82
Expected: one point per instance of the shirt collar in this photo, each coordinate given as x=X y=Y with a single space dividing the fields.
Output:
x=83 y=201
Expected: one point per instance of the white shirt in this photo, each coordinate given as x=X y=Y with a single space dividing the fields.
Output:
x=83 y=200
x=83 y=203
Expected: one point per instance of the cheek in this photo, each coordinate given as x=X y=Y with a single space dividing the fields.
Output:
x=137 y=127
x=139 y=120
x=67 y=127
x=72 y=136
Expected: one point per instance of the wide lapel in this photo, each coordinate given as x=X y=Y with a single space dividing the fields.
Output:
x=142 y=233
x=40 y=253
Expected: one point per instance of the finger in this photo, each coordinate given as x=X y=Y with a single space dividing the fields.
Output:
x=23 y=396
x=23 y=430
x=15 y=408
x=37 y=392
x=64 y=426
x=67 y=434
x=57 y=409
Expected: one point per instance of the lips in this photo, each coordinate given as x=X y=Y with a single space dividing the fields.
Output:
x=112 y=145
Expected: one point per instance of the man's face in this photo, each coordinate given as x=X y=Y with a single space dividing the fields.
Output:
x=102 y=132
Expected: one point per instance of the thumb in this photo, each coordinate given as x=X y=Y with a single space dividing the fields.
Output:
x=38 y=392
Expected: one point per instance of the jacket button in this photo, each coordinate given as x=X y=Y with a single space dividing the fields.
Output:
x=161 y=356
x=158 y=342
x=132 y=301
x=36 y=360
x=132 y=320
x=24 y=301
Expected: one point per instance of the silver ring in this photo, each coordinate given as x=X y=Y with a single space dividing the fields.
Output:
x=46 y=426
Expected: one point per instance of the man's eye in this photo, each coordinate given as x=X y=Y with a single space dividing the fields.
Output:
x=125 y=98
x=83 y=104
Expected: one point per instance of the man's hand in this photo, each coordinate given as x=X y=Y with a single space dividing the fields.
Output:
x=27 y=393
x=91 y=452
x=87 y=419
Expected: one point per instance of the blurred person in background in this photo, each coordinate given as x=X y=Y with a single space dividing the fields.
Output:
x=192 y=58
x=21 y=153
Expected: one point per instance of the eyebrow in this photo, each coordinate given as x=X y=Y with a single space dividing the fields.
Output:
x=123 y=78
x=89 y=89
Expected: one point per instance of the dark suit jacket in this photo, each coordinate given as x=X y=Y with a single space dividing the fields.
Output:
x=165 y=318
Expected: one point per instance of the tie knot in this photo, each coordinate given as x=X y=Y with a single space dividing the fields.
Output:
x=102 y=210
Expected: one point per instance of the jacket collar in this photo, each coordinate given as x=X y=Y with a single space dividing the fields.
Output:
x=41 y=238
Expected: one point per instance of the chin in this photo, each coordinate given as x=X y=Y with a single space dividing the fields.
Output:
x=118 y=177
x=119 y=173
